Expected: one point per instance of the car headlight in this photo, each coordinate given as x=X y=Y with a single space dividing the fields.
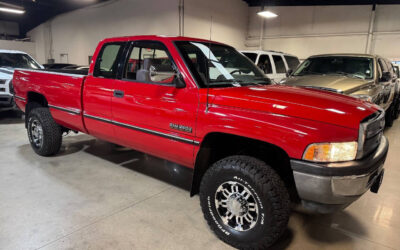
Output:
x=363 y=97
x=331 y=152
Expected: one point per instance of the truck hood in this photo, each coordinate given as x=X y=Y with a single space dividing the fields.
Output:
x=343 y=84
x=311 y=104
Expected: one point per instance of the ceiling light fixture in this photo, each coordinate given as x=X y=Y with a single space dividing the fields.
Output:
x=267 y=14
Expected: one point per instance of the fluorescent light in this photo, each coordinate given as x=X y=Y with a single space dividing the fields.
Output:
x=267 y=14
x=10 y=10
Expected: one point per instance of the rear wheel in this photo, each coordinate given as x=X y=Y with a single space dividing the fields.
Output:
x=45 y=135
x=244 y=202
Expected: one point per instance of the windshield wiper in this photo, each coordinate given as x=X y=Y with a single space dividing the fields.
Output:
x=308 y=73
x=234 y=82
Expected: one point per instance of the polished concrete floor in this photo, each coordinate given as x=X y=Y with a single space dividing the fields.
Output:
x=96 y=196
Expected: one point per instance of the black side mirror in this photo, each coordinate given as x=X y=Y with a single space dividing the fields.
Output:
x=386 y=76
x=179 y=82
x=289 y=72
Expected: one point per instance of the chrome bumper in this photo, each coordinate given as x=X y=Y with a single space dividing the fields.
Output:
x=322 y=185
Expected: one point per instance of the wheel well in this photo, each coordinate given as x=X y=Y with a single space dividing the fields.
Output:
x=217 y=146
x=34 y=100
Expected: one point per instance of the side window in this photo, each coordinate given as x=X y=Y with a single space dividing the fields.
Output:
x=379 y=70
x=264 y=63
x=279 y=64
x=107 y=63
x=292 y=62
x=149 y=62
x=251 y=56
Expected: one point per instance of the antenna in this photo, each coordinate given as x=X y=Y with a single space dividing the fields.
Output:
x=207 y=62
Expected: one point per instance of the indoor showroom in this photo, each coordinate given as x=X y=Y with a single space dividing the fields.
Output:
x=199 y=124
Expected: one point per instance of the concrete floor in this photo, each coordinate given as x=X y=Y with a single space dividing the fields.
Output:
x=95 y=196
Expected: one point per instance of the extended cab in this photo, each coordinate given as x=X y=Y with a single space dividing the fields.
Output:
x=253 y=147
x=368 y=77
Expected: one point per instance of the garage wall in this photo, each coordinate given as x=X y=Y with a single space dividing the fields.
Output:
x=27 y=47
x=77 y=33
x=309 y=30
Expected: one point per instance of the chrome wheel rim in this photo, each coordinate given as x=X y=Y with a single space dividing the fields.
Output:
x=36 y=133
x=236 y=206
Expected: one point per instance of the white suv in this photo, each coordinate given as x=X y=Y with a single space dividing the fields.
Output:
x=10 y=60
x=274 y=64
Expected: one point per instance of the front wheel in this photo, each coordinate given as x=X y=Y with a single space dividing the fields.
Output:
x=45 y=135
x=390 y=115
x=245 y=202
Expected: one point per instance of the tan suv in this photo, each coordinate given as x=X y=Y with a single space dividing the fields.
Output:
x=368 y=77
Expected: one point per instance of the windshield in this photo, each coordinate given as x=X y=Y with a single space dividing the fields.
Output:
x=219 y=65
x=358 y=67
x=14 y=60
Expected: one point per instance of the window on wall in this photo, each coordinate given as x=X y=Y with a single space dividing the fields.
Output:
x=107 y=61
x=279 y=64
x=264 y=63
x=149 y=62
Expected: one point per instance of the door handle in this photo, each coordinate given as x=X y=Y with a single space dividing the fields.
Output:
x=118 y=93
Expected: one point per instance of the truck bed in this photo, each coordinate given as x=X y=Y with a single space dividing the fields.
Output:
x=66 y=108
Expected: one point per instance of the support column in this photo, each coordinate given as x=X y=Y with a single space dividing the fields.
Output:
x=370 y=30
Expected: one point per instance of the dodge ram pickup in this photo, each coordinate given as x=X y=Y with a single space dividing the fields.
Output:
x=254 y=148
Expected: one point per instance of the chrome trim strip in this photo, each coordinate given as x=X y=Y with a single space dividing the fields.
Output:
x=52 y=72
x=72 y=111
x=148 y=131
x=19 y=97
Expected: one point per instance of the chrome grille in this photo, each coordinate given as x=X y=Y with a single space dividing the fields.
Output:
x=370 y=133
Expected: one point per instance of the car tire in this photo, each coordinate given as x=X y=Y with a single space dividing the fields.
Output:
x=390 y=116
x=45 y=135
x=397 y=107
x=255 y=211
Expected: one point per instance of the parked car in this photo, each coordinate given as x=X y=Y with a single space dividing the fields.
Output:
x=58 y=65
x=367 y=77
x=276 y=65
x=9 y=61
x=253 y=146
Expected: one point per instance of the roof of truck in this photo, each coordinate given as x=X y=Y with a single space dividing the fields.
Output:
x=157 y=38
x=347 y=54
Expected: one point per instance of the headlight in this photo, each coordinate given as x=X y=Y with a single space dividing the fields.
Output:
x=363 y=97
x=331 y=152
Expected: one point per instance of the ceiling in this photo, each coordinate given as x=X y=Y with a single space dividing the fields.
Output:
x=39 y=11
x=317 y=2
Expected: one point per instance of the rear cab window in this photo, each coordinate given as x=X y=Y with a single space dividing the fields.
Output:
x=107 y=61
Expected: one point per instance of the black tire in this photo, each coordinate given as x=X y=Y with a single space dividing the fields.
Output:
x=396 y=107
x=268 y=193
x=51 y=133
x=390 y=116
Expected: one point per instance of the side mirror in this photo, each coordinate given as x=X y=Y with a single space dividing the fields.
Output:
x=289 y=72
x=386 y=76
x=178 y=81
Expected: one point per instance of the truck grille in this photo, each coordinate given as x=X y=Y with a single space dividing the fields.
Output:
x=2 y=89
x=370 y=134
x=3 y=82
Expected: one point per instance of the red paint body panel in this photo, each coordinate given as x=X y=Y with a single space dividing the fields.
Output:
x=288 y=117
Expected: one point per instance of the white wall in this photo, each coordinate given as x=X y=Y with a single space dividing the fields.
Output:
x=27 y=47
x=77 y=33
x=309 y=30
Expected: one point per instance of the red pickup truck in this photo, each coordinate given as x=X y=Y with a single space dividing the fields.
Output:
x=254 y=147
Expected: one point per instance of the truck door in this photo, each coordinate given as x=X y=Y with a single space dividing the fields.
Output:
x=98 y=92
x=149 y=112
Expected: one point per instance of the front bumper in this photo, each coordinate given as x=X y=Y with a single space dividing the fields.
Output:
x=327 y=187
x=6 y=101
